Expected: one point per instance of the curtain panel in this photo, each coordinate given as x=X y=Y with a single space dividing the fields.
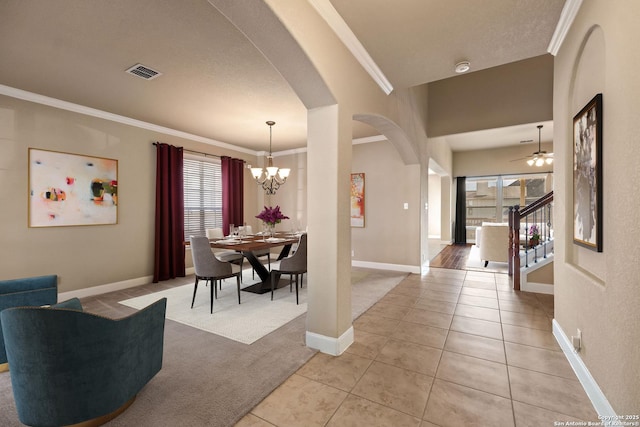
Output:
x=232 y=192
x=169 y=250
x=461 y=211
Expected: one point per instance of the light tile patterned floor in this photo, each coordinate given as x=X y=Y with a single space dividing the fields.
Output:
x=450 y=348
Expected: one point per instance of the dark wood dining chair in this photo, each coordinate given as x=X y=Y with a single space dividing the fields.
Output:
x=209 y=268
x=295 y=266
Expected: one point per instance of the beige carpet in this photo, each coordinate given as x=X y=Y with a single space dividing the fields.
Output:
x=206 y=379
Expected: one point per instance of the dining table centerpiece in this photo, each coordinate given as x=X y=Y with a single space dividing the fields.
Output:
x=271 y=216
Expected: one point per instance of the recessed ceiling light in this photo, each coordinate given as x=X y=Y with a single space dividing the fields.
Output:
x=463 y=67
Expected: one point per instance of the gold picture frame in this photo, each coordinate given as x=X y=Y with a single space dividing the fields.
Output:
x=71 y=189
x=357 y=200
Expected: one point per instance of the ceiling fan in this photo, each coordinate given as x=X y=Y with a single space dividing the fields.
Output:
x=540 y=157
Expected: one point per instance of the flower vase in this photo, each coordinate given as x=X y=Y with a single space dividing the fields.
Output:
x=268 y=230
x=534 y=242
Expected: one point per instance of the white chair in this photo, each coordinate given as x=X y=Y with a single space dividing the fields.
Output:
x=493 y=241
x=209 y=268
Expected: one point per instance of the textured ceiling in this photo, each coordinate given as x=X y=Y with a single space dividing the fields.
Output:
x=215 y=83
x=420 y=41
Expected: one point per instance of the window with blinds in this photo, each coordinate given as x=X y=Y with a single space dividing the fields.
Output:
x=202 y=195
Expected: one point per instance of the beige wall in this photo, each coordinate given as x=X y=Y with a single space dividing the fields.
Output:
x=435 y=206
x=542 y=275
x=391 y=234
x=83 y=256
x=497 y=161
x=292 y=196
x=599 y=293
x=511 y=94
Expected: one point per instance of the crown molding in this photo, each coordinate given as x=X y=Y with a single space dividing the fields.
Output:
x=344 y=33
x=80 y=109
x=568 y=15
x=88 y=111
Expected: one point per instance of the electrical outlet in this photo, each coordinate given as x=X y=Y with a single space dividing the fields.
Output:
x=353 y=253
x=576 y=341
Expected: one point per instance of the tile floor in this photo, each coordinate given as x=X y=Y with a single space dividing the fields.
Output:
x=450 y=348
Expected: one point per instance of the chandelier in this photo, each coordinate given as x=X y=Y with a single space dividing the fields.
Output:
x=271 y=177
x=540 y=157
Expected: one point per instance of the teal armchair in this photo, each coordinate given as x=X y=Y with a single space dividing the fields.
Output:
x=68 y=366
x=38 y=290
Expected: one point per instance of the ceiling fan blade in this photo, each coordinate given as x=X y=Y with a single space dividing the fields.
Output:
x=522 y=158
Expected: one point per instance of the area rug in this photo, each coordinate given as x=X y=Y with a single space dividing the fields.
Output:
x=257 y=315
x=247 y=322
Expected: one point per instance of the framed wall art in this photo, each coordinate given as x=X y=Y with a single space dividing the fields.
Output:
x=357 y=199
x=71 y=189
x=587 y=175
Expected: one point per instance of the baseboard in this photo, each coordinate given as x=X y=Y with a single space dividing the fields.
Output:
x=383 y=266
x=539 y=288
x=103 y=289
x=595 y=394
x=329 y=345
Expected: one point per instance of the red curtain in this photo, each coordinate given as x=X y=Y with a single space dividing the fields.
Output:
x=169 y=233
x=232 y=192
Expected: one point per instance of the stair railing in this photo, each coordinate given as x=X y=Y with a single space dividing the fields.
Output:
x=538 y=213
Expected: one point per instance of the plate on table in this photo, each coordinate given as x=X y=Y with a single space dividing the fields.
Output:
x=275 y=239
x=229 y=241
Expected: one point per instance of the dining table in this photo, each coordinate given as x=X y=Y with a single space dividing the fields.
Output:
x=247 y=245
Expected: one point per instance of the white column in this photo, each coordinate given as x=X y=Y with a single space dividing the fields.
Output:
x=329 y=325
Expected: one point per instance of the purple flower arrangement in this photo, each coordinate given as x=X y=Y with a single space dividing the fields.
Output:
x=271 y=215
x=534 y=232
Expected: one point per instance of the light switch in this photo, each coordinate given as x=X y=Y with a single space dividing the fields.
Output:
x=406 y=205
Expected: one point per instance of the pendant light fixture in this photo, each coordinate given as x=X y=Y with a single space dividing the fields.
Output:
x=271 y=177
x=539 y=158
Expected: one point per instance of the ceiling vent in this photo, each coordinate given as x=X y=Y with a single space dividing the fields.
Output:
x=143 y=72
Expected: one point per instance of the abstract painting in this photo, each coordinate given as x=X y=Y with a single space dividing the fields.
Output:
x=70 y=189
x=587 y=175
x=357 y=199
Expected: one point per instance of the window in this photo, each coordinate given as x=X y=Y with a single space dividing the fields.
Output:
x=202 y=195
x=488 y=198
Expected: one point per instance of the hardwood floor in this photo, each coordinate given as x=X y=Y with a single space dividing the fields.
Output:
x=452 y=256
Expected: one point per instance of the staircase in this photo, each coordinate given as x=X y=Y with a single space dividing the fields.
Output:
x=525 y=255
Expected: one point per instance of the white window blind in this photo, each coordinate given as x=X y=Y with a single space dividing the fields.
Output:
x=202 y=195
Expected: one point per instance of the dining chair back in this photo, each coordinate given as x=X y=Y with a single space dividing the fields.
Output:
x=214 y=233
x=225 y=255
x=295 y=266
x=209 y=268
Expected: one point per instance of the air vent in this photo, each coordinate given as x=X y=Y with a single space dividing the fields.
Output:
x=144 y=72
